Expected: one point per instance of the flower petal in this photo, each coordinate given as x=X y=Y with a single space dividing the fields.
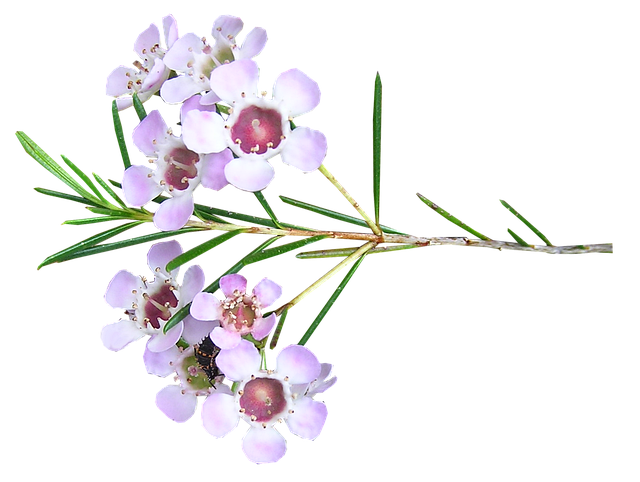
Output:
x=174 y=213
x=263 y=326
x=157 y=74
x=208 y=99
x=174 y=404
x=232 y=282
x=192 y=284
x=231 y=80
x=305 y=149
x=267 y=292
x=146 y=40
x=192 y=103
x=298 y=363
x=240 y=362
x=308 y=418
x=249 y=174
x=253 y=44
x=195 y=331
x=119 y=292
x=179 y=88
x=182 y=52
x=170 y=27
x=159 y=363
x=138 y=187
x=149 y=132
x=203 y=131
x=205 y=307
x=297 y=92
x=226 y=25
x=118 y=81
x=164 y=341
x=118 y=335
x=212 y=169
x=225 y=339
x=219 y=414
x=264 y=445
x=160 y=254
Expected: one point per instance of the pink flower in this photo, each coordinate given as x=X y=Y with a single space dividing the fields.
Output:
x=178 y=172
x=264 y=398
x=150 y=304
x=257 y=128
x=149 y=75
x=192 y=56
x=240 y=313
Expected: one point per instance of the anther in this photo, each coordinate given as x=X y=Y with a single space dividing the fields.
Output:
x=253 y=418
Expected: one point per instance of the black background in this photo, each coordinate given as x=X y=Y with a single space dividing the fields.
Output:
x=456 y=357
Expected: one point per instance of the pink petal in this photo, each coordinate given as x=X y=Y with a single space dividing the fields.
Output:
x=119 y=292
x=192 y=284
x=118 y=81
x=267 y=292
x=160 y=364
x=298 y=363
x=205 y=307
x=195 y=331
x=182 y=52
x=118 y=335
x=209 y=99
x=308 y=418
x=138 y=187
x=219 y=414
x=156 y=76
x=164 y=341
x=174 y=404
x=170 y=28
x=226 y=25
x=230 y=81
x=249 y=174
x=179 y=88
x=212 y=169
x=146 y=40
x=151 y=131
x=240 y=362
x=225 y=339
x=161 y=253
x=174 y=213
x=192 y=103
x=305 y=149
x=253 y=44
x=203 y=132
x=232 y=282
x=263 y=326
x=264 y=445
x=297 y=92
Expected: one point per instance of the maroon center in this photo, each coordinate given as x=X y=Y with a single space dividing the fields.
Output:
x=157 y=305
x=257 y=129
x=263 y=399
x=181 y=168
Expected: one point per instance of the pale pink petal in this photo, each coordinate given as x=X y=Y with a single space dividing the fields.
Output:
x=297 y=92
x=308 y=418
x=138 y=187
x=212 y=169
x=205 y=307
x=118 y=335
x=263 y=326
x=156 y=76
x=151 y=131
x=192 y=103
x=249 y=174
x=192 y=284
x=179 y=88
x=240 y=362
x=195 y=331
x=176 y=405
x=164 y=341
x=267 y=292
x=298 y=363
x=118 y=81
x=253 y=44
x=219 y=414
x=170 y=28
x=124 y=102
x=161 y=253
x=182 y=52
x=146 y=40
x=226 y=25
x=305 y=149
x=225 y=339
x=264 y=445
x=231 y=80
x=231 y=283
x=209 y=99
x=174 y=213
x=203 y=131
x=119 y=292
x=160 y=364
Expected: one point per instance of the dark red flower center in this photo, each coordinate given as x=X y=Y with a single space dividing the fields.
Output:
x=262 y=399
x=156 y=305
x=181 y=168
x=257 y=129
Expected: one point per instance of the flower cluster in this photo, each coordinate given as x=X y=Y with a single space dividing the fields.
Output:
x=226 y=133
x=229 y=130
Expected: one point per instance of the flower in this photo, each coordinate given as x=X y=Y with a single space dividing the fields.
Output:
x=239 y=314
x=179 y=402
x=257 y=128
x=178 y=172
x=149 y=75
x=265 y=397
x=150 y=304
x=195 y=58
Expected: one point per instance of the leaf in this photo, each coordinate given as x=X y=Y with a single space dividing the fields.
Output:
x=377 y=137
x=276 y=333
x=68 y=197
x=117 y=125
x=110 y=191
x=85 y=178
x=518 y=239
x=267 y=208
x=270 y=253
x=451 y=218
x=527 y=223
x=52 y=166
x=137 y=105
x=201 y=249
x=101 y=219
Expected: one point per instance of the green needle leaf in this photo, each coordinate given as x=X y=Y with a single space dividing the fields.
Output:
x=117 y=125
x=85 y=178
x=285 y=248
x=343 y=252
x=331 y=301
x=201 y=249
x=518 y=239
x=101 y=219
x=451 y=218
x=278 y=330
x=137 y=105
x=267 y=208
x=110 y=191
x=377 y=137
x=527 y=223
x=68 y=197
